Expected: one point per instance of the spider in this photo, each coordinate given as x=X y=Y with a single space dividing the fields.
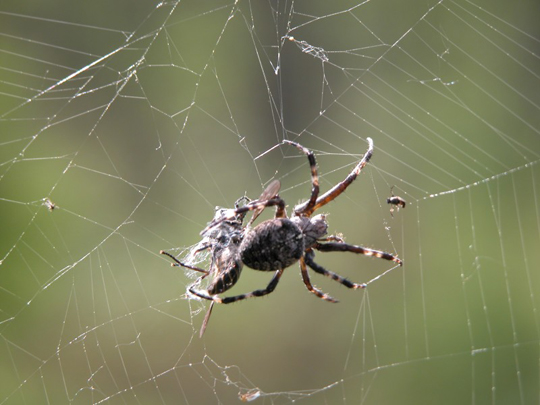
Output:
x=395 y=202
x=277 y=243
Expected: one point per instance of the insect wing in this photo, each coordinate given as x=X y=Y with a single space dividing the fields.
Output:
x=269 y=192
x=206 y=319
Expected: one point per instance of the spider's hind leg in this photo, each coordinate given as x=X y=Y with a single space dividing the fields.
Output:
x=336 y=277
x=228 y=300
x=307 y=282
x=345 y=247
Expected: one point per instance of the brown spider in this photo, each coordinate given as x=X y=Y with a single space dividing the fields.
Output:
x=277 y=243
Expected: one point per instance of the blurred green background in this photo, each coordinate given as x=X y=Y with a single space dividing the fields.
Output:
x=137 y=119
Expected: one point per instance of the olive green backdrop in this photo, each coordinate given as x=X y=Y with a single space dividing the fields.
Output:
x=136 y=119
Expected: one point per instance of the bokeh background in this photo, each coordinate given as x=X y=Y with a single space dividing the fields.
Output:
x=136 y=119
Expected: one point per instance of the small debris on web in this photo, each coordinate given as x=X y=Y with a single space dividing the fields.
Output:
x=250 y=395
x=314 y=51
x=49 y=204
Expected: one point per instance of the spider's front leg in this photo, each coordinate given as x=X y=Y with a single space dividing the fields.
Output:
x=339 y=188
x=307 y=207
x=256 y=206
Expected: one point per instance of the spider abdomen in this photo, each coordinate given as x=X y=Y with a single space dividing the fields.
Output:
x=274 y=244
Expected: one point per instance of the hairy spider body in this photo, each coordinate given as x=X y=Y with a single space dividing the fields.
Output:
x=277 y=243
x=272 y=245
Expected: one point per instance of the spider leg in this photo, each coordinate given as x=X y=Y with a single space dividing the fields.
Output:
x=307 y=207
x=339 y=188
x=254 y=205
x=187 y=266
x=335 y=238
x=336 y=277
x=344 y=247
x=307 y=282
x=228 y=300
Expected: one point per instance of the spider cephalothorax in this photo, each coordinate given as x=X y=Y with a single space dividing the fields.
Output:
x=277 y=243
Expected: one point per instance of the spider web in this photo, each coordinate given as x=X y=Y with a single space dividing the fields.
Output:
x=125 y=123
